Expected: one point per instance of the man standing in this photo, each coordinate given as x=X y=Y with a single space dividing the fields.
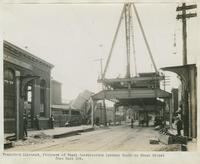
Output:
x=51 y=122
x=179 y=112
x=131 y=122
x=179 y=126
x=37 y=125
x=25 y=122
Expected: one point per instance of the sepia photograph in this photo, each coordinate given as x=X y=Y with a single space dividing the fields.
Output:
x=100 y=77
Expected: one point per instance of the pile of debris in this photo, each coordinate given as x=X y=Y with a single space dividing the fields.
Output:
x=41 y=135
x=169 y=137
x=11 y=141
x=8 y=144
x=8 y=141
x=31 y=141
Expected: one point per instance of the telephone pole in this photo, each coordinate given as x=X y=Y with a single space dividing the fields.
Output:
x=101 y=65
x=104 y=104
x=183 y=17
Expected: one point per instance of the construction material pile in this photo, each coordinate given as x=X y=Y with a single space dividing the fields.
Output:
x=168 y=136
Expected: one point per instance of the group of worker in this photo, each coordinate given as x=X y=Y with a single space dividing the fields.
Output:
x=141 y=122
x=160 y=121
x=36 y=121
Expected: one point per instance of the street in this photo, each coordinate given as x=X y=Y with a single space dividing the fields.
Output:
x=62 y=98
x=118 y=138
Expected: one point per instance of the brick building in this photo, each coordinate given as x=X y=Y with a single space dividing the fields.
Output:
x=26 y=88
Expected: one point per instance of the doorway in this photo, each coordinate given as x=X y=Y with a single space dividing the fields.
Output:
x=28 y=105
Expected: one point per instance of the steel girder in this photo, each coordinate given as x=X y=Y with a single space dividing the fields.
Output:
x=131 y=94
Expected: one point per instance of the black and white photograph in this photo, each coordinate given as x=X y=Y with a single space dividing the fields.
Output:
x=98 y=76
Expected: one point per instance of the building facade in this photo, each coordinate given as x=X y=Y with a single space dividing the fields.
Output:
x=26 y=89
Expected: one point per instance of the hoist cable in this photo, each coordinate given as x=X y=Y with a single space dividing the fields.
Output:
x=113 y=43
x=133 y=42
x=145 y=39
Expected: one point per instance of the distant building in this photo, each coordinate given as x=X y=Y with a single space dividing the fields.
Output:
x=59 y=110
x=26 y=88
x=64 y=112
x=56 y=92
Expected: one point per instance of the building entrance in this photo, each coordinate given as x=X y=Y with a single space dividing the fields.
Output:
x=28 y=105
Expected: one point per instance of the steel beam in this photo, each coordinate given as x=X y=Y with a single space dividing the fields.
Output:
x=133 y=79
x=131 y=94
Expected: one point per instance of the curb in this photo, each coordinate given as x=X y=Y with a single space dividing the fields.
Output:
x=72 y=133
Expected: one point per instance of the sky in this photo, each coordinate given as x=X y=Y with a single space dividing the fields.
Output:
x=73 y=36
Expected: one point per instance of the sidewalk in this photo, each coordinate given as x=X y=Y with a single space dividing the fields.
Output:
x=192 y=145
x=58 y=132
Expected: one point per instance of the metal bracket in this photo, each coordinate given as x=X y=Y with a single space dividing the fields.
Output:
x=24 y=80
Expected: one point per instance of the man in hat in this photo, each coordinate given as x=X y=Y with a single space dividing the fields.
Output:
x=25 y=122
x=37 y=125
x=51 y=122
x=132 y=122
x=179 y=125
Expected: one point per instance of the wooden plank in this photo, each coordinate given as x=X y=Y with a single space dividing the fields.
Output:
x=165 y=139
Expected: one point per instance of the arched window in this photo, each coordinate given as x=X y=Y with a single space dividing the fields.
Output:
x=8 y=77
x=42 y=98
x=9 y=93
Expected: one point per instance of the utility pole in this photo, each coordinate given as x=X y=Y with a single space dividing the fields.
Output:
x=104 y=104
x=183 y=17
x=185 y=87
x=101 y=65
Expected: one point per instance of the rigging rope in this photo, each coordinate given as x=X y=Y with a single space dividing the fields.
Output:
x=145 y=39
x=113 y=43
x=133 y=43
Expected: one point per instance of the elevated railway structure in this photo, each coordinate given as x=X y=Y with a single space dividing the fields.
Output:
x=143 y=89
